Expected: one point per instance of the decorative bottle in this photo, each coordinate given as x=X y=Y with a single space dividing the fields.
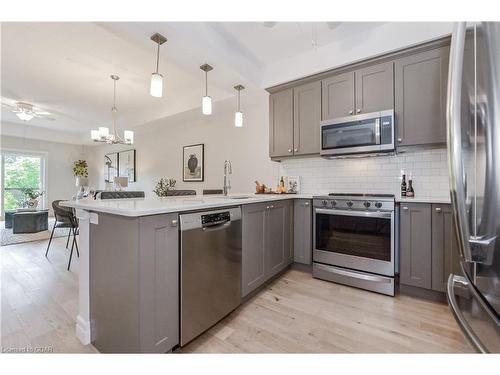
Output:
x=403 y=186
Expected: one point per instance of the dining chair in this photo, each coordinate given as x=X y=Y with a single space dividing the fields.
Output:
x=65 y=218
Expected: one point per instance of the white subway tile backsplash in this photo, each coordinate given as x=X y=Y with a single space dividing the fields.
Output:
x=382 y=174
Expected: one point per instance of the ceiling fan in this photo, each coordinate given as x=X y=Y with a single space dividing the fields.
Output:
x=26 y=111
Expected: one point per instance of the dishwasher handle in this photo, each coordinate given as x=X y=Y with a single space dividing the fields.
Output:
x=216 y=227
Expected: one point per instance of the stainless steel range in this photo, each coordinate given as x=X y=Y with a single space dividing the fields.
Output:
x=354 y=240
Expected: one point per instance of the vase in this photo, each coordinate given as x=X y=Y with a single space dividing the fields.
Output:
x=192 y=163
x=32 y=203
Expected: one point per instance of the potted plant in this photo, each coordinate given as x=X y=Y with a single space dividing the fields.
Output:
x=32 y=196
x=81 y=172
x=164 y=185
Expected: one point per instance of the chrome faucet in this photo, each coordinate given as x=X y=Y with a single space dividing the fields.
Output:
x=228 y=169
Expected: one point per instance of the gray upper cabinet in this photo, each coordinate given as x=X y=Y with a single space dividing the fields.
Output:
x=445 y=256
x=337 y=96
x=254 y=246
x=415 y=245
x=306 y=118
x=267 y=239
x=420 y=97
x=302 y=231
x=375 y=88
x=281 y=123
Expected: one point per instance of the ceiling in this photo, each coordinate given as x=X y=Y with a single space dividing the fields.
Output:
x=64 y=68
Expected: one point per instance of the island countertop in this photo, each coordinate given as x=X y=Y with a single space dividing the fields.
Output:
x=134 y=207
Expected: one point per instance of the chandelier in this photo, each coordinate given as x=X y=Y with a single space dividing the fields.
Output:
x=103 y=135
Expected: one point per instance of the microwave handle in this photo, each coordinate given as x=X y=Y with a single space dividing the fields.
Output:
x=377 y=131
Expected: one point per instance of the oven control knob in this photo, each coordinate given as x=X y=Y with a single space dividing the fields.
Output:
x=324 y=203
x=349 y=203
x=367 y=204
x=333 y=203
x=378 y=204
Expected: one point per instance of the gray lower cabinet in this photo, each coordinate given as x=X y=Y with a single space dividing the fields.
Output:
x=281 y=124
x=134 y=283
x=415 y=245
x=267 y=242
x=306 y=118
x=337 y=96
x=420 y=97
x=302 y=231
x=428 y=245
x=445 y=256
x=375 y=88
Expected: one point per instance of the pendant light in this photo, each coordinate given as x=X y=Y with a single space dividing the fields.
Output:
x=238 y=115
x=156 y=88
x=102 y=134
x=206 y=101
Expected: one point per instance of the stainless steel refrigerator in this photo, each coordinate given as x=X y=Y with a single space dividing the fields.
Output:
x=473 y=116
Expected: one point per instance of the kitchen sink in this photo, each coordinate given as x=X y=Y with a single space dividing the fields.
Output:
x=239 y=197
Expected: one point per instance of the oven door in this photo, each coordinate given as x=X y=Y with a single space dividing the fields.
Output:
x=360 y=240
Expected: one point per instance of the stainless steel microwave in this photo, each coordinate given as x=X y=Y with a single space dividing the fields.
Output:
x=365 y=133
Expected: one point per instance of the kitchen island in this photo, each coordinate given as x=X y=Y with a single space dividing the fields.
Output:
x=119 y=242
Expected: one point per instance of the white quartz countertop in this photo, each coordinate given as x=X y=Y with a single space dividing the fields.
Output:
x=153 y=206
x=438 y=200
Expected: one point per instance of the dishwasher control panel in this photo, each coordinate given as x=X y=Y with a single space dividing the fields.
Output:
x=215 y=218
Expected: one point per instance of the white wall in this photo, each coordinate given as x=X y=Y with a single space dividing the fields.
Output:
x=159 y=147
x=373 y=174
x=60 y=182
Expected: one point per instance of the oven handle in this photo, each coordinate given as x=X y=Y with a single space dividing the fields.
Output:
x=377 y=214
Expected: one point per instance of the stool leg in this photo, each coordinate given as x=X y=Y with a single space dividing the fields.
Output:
x=70 y=256
x=51 y=235
x=75 y=243
x=69 y=235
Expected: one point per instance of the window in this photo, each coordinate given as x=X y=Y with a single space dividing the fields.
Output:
x=21 y=172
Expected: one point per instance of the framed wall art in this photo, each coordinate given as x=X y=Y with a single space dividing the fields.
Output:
x=193 y=163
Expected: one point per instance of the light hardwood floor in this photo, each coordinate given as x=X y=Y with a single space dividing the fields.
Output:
x=295 y=314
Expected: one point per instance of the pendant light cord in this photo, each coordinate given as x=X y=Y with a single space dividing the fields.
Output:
x=239 y=101
x=157 y=58
x=206 y=83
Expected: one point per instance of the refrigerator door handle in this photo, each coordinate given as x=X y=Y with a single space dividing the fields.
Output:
x=457 y=313
x=454 y=139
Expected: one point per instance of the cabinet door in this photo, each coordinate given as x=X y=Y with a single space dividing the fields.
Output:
x=445 y=256
x=415 y=244
x=159 y=283
x=306 y=118
x=278 y=237
x=375 y=88
x=254 y=246
x=337 y=96
x=420 y=97
x=302 y=232
x=281 y=123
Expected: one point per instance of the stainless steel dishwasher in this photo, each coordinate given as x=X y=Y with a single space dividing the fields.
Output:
x=210 y=269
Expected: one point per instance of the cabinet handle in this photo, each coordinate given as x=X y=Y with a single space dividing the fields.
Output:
x=295 y=149
x=358 y=110
x=400 y=140
x=405 y=208
x=438 y=209
x=289 y=150
x=306 y=204
x=174 y=223
x=271 y=207
x=267 y=207
x=350 y=112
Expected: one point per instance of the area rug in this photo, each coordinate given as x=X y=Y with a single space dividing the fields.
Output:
x=8 y=238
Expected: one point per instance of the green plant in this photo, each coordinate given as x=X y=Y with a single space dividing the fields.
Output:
x=80 y=168
x=164 y=185
x=32 y=193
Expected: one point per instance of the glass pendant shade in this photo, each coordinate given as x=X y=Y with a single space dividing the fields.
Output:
x=103 y=132
x=156 y=88
x=129 y=136
x=238 y=119
x=206 y=105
